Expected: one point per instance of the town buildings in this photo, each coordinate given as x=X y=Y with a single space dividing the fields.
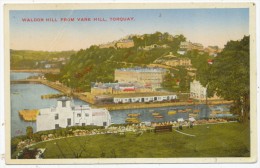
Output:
x=199 y=92
x=118 y=88
x=171 y=60
x=153 y=46
x=66 y=114
x=213 y=50
x=125 y=43
x=146 y=76
x=187 y=46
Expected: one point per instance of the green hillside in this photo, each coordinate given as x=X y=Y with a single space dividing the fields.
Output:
x=98 y=64
x=27 y=59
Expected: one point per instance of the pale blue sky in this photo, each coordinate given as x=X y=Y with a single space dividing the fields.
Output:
x=206 y=26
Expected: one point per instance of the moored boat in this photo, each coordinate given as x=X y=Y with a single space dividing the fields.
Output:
x=133 y=114
x=172 y=112
x=155 y=113
x=158 y=116
x=132 y=120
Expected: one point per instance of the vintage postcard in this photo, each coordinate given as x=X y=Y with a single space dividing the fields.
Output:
x=130 y=83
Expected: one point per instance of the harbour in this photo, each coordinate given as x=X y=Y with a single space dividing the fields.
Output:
x=27 y=95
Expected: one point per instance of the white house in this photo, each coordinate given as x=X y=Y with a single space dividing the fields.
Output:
x=66 y=115
x=197 y=91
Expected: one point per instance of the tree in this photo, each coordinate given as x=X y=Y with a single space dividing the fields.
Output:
x=229 y=76
x=29 y=132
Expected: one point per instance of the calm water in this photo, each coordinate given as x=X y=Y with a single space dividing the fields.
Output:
x=22 y=75
x=28 y=96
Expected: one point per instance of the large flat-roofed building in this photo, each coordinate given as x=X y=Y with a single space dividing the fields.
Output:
x=145 y=97
x=146 y=76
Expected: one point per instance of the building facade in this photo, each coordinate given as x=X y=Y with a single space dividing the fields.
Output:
x=199 y=92
x=125 y=44
x=178 y=62
x=118 y=88
x=66 y=115
x=145 y=76
x=144 y=98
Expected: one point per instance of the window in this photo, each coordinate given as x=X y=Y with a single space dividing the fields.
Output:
x=83 y=124
x=104 y=123
x=69 y=121
x=78 y=115
x=86 y=114
x=56 y=116
x=57 y=126
x=63 y=103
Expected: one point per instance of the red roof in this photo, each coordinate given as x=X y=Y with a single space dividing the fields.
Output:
x=129 y=89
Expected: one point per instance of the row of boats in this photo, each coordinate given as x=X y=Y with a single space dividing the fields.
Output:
x=133 y=117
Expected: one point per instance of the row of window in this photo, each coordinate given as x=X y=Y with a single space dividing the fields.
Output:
x=78 y=115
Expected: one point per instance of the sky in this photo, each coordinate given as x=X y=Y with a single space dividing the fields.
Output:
x=205 y=26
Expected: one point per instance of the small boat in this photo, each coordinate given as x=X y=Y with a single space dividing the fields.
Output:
x=158 y=116
x=132 y=120
x=172 y=112
x=188 y=109
x=182 y=111
x=133 y=115
x=196 y=111
x=193 y=115
x=155 y=114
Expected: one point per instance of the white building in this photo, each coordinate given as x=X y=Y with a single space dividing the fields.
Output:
x=197 y=91
x=144 y=98
x=66 y=115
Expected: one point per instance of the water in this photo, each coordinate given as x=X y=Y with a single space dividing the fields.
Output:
x=22 y=75
x=28 y=96
x=146 y=115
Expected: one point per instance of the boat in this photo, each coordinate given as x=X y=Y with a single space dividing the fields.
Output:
x=182 y=111
x=189 y=109
x=158 y=116
x=155 y=113
x=132 y=120
x=196 y=111
x=172 y=112
x=193 y=115
x=133 y=115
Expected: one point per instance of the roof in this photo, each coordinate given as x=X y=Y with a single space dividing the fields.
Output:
x=139 y=69
x=64 y=98
x=150 y=94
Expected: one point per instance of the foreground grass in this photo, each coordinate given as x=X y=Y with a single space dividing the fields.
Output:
x=220 y=140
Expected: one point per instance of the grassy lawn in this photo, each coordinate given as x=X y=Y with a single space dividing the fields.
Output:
x=220 y=140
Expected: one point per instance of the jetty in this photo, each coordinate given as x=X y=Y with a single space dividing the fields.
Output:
x=29 y=115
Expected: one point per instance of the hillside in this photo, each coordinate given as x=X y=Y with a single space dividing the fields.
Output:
x=27 y=59
x=98 y=64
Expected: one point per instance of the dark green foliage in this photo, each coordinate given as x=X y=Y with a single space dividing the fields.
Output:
x=229 y=77
x=28 y=153
x=15 y=141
